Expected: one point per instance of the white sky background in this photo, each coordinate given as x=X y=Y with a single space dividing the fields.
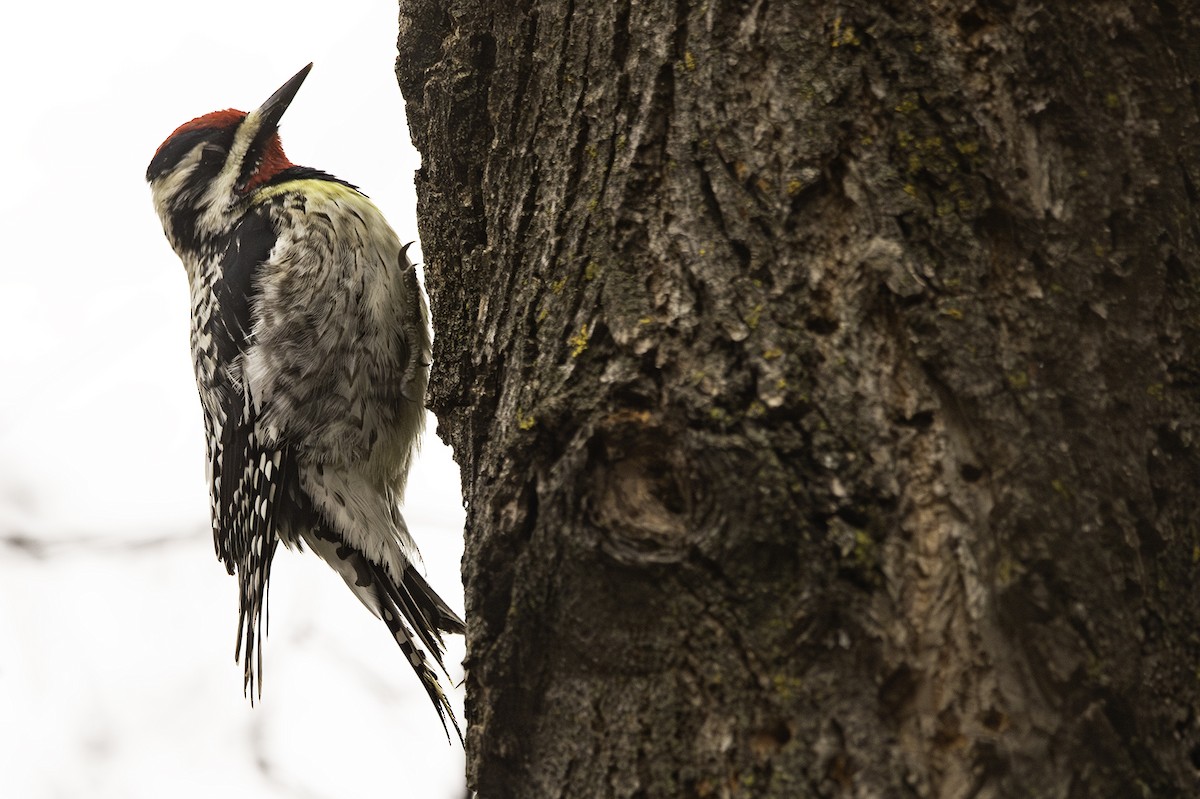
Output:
x=117 y=625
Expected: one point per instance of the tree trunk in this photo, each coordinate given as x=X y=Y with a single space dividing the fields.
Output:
x=824 y=380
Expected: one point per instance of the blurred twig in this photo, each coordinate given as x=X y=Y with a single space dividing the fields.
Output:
x=45 y=548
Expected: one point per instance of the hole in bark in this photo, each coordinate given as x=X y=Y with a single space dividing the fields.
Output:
x=855 y=518
x=948 y=733
x=806 y=196
x=820 y=325
x=921 y=420
x=898 y=689
x=970 y=472
x=1195 y=757
x=970 y=23
x=1073 y=416
x=997 y=225
x=762 y=273
x=485 y=52
x=1112 y=282
x=994 y=720
x=1120 y=715
x=1188 y=186
x=1170 y=442
x=1152 y=542
x=1125 y=41
x=1176 y=271
x=766 y=742
x=742 y=253
x=1038 y=261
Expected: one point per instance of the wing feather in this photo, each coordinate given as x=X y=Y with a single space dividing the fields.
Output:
x=249 y=466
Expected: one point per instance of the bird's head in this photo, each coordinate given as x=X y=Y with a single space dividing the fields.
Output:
x=202 y=174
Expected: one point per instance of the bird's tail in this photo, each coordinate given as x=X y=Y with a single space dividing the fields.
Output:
x=409 y=607
x=430 y=604
x=252 y=617
x=395 y=598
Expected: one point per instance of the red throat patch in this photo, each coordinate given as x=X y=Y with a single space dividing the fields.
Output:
x=273 y=162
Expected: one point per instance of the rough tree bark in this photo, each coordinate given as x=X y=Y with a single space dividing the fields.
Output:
x=824 y=382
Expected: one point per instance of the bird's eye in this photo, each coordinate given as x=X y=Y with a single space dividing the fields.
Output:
x=212 y=155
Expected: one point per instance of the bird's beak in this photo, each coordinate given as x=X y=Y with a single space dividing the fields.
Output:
x=268 y=115
x=270 y=112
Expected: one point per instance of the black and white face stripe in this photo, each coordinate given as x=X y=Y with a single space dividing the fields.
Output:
x=217 y=142
x=185 y=178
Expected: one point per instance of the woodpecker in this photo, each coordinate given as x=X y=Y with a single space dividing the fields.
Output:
x=311 y=346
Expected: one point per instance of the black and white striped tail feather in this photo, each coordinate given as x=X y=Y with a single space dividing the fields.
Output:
x=410 y=608
x=398 y=605
x=432 y=606
x=253 y=619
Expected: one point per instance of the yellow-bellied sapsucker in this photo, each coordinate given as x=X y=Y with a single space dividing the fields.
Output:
x=310 y=341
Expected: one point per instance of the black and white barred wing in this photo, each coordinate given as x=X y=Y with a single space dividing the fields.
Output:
x=249 y=464
x=254 y=475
